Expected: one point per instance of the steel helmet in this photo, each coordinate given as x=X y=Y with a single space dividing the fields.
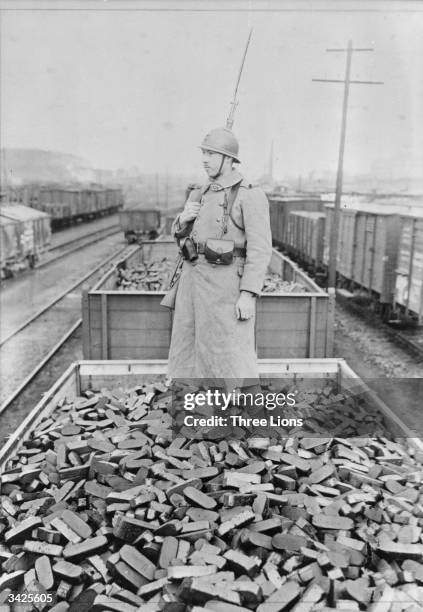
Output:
x=221 y=140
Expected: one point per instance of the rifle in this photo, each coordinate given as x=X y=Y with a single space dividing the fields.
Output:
x=234 y=103
x=178 y=266
x=169 y=299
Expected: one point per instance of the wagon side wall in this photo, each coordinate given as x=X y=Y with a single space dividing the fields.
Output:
x=133 y=325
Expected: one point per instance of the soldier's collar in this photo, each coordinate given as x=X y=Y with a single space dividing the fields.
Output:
x=223 y=182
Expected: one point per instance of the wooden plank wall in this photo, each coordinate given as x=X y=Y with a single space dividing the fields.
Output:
x=133 y=325
x=292 y=327
x=138 y=328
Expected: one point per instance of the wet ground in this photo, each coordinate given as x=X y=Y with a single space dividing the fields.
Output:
x=390 y=370
x=20 y=355
x=25 y=296
x=82 y=229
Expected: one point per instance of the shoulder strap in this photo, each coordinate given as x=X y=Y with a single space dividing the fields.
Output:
x=231 y=201
x=201 y=191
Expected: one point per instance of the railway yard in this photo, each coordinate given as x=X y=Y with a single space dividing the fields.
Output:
x=211 y=306
x=105 y=508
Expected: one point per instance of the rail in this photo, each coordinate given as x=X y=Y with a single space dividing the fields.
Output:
x=4 y=406
x=78 y=243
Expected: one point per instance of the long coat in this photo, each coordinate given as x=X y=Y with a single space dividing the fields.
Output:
x=208 y=341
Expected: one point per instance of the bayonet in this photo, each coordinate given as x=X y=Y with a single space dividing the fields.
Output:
x=234 y=103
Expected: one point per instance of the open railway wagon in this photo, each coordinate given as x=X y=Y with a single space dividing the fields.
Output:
x=280 y=206
x=62 y=204
x=24 y=237
x=140 y=224
x=131 y=324
x=104 y=200
x=103 y=506
x=67 y=205
x=110 y=200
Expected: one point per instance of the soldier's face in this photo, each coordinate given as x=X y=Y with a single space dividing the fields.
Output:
x=212 y=163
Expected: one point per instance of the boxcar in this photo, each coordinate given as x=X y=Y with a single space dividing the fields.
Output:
x=133 y=325
x=367 y=248
x=24 y=236
x=281 y=206
x=409 y=272
x=305 y=237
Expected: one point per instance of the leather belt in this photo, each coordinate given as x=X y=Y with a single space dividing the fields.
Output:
x=238 y=251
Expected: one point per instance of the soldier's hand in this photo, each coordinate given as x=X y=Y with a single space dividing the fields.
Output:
x=190 y=212
x=246 y=306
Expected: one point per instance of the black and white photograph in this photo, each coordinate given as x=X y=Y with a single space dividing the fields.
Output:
x=211 y=305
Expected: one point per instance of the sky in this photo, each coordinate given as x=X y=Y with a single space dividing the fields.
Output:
x=140 y=87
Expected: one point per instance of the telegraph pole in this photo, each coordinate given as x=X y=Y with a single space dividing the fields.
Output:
x=333 y=244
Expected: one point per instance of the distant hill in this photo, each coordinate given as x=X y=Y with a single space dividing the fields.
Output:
x=36 y=166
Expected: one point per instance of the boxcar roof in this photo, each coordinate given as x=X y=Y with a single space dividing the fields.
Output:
x=19 y=212
x=377 y=208
x=311 y=214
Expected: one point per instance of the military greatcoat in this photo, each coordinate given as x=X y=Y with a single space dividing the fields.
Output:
x=208 y=341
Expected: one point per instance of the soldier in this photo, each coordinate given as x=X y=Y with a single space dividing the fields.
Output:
x=224 y=232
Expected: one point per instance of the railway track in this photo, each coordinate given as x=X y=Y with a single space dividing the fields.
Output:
x=68 y=247
x=39 y=337
x=410 y=339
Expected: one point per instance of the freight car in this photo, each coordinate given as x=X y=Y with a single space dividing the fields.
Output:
x=105 y=508
x=367 y=251
x=87 y=376
x=133 y=325
x=305 y=238
x=140 y=224
x=409 y=271
x=379 y=255
x=280 y=206
x=24 y=237
x=68 y=205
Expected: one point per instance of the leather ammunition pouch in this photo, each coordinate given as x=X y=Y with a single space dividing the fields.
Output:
x=218 y=251
x=188 y=249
